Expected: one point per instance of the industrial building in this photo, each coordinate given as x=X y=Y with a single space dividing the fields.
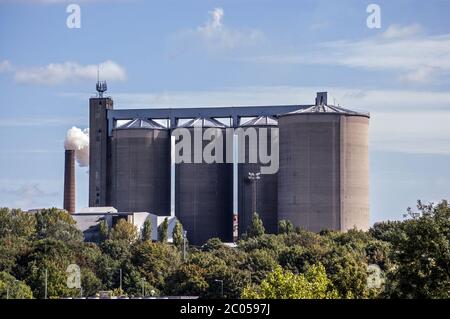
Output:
x=322 y=181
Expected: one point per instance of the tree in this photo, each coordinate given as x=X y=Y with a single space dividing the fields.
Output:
x=58 y=224
x=12 y=288
x=125 y=231
x=155 y=261
x=281 y=284
x=147 y=230
x=162 y=230
x=256 y=228
x=285 y=227
x=421 y=254
x=213 y=244
x=103 y=230
x=187 y=280
x=177 y=235
x=16 y=223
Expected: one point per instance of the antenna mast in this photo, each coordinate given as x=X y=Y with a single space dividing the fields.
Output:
x=101 y=86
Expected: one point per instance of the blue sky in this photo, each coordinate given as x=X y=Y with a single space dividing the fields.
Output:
x=233 y=52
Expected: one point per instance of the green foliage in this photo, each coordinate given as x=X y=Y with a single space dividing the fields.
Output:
x=213 y=244
x=177 y=235
x=414 y=255
x=147 y=230
x=162 y=230
x=420 y=253
x=12 y=288
x=15 y=223
x=103 y=230
x=57 y=224
x=154 y=261
x=285 y=227
x=283 y=284
x=256 y=228
x=125 y=231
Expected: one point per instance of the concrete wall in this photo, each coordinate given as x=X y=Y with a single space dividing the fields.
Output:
x=355 y=210
x=309 y=177
x=99 y=155
x=141 y=170
x=324 y=171
x=204 y=199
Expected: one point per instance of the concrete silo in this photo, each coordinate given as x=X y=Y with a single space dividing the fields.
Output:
x=323 y=180
x=204 y=191
x=266 y=187
x=140 y=157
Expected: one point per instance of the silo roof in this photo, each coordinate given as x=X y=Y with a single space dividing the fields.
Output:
x=203 y=122
x=324 y=108
x=141 y=124
x=261 y=121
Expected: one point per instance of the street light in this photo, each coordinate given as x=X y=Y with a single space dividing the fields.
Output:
x=143 y=287
x=120 y=277
x=221 y=286
x=184 y=244
x=46 y=284
x=254 y=177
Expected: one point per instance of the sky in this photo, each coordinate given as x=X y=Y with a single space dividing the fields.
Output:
x=232 y=52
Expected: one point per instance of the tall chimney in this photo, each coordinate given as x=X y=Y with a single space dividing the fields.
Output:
x=69 y=181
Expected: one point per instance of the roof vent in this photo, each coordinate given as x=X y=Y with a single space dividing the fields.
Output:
x=322 y=98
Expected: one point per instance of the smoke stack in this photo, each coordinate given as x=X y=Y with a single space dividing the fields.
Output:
x=69 y=181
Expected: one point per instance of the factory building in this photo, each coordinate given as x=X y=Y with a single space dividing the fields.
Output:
x=322 y=181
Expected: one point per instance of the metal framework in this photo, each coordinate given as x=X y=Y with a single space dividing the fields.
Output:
x=172 y=115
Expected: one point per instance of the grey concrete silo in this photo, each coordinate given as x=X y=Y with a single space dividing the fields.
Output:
x=266 y=186
x=204 y=191
x=140 y=157
x=323 y=180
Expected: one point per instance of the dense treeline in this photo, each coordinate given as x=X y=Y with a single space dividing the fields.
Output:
x=413 y=256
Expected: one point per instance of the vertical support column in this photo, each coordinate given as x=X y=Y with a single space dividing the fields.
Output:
x=99 y=152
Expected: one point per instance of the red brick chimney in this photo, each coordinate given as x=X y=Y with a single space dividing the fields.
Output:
x=69 y=181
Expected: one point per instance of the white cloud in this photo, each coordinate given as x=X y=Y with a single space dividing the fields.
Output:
x=423 y=74
x=416 y=57
x=399 y=31
x=215 y=35
x=59 y=73
x=27 y=195
x=5 y=66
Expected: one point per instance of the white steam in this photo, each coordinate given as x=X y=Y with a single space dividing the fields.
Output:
x=78 y=140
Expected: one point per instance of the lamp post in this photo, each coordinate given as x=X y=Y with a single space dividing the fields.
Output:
x=143 y=287
x=120 y=277
x=221 y=286
x=184 y=244
x=254 y=177
x=46 y=284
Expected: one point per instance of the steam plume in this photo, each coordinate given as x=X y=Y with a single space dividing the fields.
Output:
x=78 y=140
